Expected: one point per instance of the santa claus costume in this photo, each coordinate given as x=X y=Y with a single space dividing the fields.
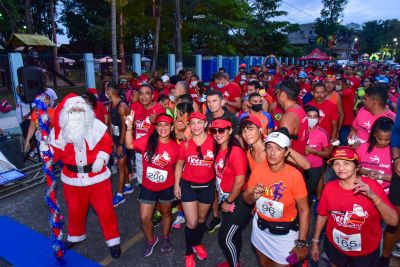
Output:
x=82 y=144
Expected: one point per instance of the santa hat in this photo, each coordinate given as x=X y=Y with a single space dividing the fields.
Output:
x=68 y=101
x=92 y=91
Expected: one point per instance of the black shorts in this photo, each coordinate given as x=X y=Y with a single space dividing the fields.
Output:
x=203 y=194
x=342 y=260
x=147 y=196
x=394 y=189
x=123 y=152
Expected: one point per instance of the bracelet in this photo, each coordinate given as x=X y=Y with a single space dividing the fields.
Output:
x=229 y=202
x=302 y=243
x=396 y=158
x=315 y=240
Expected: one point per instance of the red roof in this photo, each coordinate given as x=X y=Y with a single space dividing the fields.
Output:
x=316 y=54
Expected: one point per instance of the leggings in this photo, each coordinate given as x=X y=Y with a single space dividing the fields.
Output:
x=230 y=233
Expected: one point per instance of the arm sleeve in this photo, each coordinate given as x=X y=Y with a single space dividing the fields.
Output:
x=105 y=147
x=323 y=203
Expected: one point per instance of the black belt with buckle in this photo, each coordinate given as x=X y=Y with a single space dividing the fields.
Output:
x=79 y=169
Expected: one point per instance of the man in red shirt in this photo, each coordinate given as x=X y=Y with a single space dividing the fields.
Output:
x=347 y=95
x=328 y=112
x=241 y=75
x=230 y=91
x=354 y=80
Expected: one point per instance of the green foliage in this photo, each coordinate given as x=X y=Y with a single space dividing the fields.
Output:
x=331 y=14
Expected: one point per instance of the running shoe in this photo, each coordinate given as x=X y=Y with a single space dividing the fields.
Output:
x=118 y=199
x=156 y=218
x=189 y=261
x=165 y=244
x=115 y=251
x=200 y=252
x=396 y=252
x=149 y=246
x=214 y=224
x=226 y=264
x=128 y=189
x=174 y=209
x=180 y=219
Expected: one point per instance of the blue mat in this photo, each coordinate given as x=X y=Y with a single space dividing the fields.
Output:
x=22 y=247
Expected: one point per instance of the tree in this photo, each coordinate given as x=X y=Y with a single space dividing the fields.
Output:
x=114 y=41
x=178 y=37
x=157 y=14
x=331 y=15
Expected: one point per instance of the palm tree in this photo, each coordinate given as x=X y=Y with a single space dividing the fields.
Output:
x=114 y=41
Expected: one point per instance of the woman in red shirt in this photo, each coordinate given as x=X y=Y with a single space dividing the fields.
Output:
x=160 y=153
x=230 y=168
x=352 y=207
x=194 y=184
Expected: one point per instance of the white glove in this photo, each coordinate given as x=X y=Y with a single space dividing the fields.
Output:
x=130 y=118
x=43 y=146
x=97 y=165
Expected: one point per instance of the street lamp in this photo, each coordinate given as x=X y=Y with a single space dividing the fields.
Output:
x=355 y=39
x=395 y=39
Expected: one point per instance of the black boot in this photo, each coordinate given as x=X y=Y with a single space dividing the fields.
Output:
x=115 y=251
x=68 y=244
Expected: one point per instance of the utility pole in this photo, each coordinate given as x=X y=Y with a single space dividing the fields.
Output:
x=54 y=34
x=178 y=37
x=114 y=41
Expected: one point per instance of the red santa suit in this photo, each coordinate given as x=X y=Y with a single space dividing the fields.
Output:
x=85 y=176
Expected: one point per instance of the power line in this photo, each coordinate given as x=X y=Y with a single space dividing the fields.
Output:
x=298 y=9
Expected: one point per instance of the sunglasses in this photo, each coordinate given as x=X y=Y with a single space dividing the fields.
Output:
x=218 y=130
x=199 y=154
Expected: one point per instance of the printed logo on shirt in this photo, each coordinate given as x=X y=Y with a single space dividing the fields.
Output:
x=143 y=125
x=321 y=114
x=219 y=167
x=352 y=219
x=160 y=160
x=208 y=160
x=278 y=116
x=375 y=159
x=275 y=191
x=367 y=125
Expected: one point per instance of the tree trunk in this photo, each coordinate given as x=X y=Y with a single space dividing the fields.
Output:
x=28 y=16
x=156 y=35
x=114 y=41
x=178 y=37
x=53 y=4
x=121 y=42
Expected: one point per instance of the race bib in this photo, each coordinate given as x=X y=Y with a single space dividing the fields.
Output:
x=270 y=208
x=156 y=175
x=221 y=194
x=115 y=130
x=347 y=242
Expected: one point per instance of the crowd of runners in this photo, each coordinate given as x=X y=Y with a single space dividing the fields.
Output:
x=308 y=154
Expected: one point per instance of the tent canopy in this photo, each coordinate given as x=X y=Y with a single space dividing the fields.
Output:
x=106 y=59
x=145 y=59
x=316 y=54
x=21 y=39
x=65 y=60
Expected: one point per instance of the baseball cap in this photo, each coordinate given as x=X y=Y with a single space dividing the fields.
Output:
x=382 y=79
x=164 y=118
x=344 y=153
x=278 y=138
x=254 y=120
x=302 y=74
x=197 y=115
x=220 y=123
x=242 y=65
x=164 y=78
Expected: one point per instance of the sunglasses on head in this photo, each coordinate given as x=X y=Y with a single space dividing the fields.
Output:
x=218 y=130
x=199 y=154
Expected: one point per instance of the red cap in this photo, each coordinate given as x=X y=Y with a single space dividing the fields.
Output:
x=330 y=78
x=197 y=115
x=344 y=153
x=254 y=120
x=242 y=65
x=220 y=123
x=164 y=118
x=92 y=91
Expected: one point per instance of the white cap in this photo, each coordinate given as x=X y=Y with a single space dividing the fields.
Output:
x=164 y=78
x=278 y=138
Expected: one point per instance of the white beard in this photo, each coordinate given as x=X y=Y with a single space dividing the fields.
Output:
x=75 y=132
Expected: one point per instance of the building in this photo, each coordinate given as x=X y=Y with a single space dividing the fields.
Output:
x=305 y=35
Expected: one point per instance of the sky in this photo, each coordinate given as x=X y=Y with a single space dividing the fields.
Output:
x=304 y=11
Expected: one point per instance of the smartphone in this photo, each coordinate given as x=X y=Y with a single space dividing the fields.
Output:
x=292 y=259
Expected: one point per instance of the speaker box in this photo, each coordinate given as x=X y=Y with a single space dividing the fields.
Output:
x=31 y=83
x=12 y=150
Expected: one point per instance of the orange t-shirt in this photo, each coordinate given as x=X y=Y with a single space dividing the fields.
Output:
x=252 y=162
x=50 y=112
x=278 y=202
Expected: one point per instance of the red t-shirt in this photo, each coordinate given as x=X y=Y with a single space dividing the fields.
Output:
x=159 y=174
x=100 y=111
x=194 y=94
x=197 y=170
x=348 y=104
x=328 y=112
x=300 y=142
x=143 y=125
x=350 y=214
x=225 y=172
x=355 y=83
x=230 y=92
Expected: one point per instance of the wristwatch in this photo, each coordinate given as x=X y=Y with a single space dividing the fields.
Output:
x=229 y=202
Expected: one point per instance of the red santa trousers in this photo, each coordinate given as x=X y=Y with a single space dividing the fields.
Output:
x=99 y=196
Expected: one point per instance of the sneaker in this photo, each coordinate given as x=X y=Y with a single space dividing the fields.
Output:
x=148 y=248
x=214 y=224
x=165 y=245
x=226 y=264
x=115 y=251
x=180 y=219
x=189 y=261
x=200 y=252
x=118 y=200
x=128 y=189
x=174 y=209
x=396 y=252
x=156 y=219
